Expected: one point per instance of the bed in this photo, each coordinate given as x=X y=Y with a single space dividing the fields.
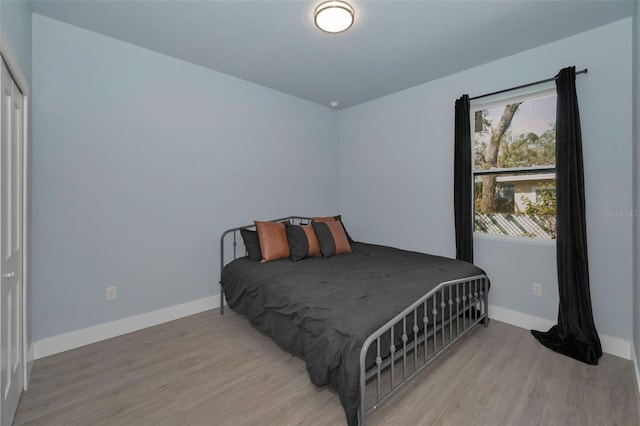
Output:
x=365 y=323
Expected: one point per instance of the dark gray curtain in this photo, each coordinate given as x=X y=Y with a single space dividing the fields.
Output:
x=463 y=188
x=575 y=334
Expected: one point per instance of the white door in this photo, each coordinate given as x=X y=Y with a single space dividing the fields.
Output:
x=11 y=131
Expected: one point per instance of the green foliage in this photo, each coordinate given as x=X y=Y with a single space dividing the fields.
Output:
x=524 y=150
x=544 y=208
x=528 y=150
x=479 y=149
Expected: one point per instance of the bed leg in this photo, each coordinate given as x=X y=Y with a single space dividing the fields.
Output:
x=221 y=300
x=485 y=302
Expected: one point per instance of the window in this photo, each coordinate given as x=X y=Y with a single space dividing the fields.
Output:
x=514 y=144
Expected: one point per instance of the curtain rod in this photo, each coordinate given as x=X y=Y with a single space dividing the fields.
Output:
x=584 y=71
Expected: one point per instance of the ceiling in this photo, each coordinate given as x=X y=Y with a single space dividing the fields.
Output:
x=393 y=44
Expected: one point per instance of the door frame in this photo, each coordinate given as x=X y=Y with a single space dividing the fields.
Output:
x=21 y=82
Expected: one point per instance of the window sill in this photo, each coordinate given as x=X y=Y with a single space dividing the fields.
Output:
x=512 y=239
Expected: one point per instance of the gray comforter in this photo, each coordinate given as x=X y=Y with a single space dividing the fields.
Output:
x=322 y=309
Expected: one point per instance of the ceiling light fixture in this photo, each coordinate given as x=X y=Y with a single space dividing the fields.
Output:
x=334 y=16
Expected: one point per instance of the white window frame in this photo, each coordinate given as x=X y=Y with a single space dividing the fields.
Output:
x=522 y=95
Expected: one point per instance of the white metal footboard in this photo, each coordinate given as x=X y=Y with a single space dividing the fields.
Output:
x=408 y=343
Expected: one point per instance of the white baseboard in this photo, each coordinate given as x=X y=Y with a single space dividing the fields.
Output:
x=611 y=345
x=74 y=339
x=519 y=319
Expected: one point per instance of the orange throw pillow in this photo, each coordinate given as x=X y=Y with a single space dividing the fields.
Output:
x=339 y=236
x=273 y=240
x=314 y=246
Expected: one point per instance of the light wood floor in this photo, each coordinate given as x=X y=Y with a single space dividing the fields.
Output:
x=213 y=370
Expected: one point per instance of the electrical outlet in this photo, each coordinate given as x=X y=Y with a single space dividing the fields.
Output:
x=110 y=294
x=536 y=289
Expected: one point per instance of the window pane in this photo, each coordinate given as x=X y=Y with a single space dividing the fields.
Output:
x=519 y=134
x=519 y=205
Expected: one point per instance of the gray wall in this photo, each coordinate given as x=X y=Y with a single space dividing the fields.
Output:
x=636 y=176
x=396 y=173
x=140 y=161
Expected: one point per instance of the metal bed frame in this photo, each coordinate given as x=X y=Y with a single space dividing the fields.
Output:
x=425 y=329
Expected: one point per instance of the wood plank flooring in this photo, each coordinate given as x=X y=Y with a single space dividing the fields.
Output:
x=209 y=369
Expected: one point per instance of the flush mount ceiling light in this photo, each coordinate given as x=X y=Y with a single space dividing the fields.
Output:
x=334 y=16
